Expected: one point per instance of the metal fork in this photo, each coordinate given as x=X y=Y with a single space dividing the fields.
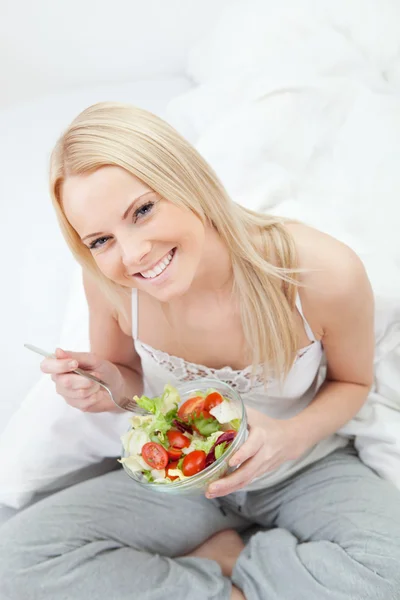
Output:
x=125 y=403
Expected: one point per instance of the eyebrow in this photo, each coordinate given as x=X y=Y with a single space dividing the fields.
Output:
x=124 y=216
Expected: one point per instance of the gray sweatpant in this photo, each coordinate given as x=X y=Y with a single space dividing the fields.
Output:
x=330 y=532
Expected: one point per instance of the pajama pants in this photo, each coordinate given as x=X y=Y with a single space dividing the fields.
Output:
x=329 y=532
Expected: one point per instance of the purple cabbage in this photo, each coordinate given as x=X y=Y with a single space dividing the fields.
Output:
x=183 y=427
x=228 y=437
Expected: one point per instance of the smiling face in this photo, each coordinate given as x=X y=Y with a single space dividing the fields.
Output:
x=137 y=238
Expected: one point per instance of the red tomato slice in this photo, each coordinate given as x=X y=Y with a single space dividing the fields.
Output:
x=174 y=453
x=212 y=400
x=172 y=465
x=155 y=455
x=190 y=408
x=194 y=462
x=177 y=439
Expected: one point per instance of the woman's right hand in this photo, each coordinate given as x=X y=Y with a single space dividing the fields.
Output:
x=79 y=392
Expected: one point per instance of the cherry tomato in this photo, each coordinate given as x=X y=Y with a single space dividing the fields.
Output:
x=212 y=400
x=174 y=453
x=172 y=465
x=177 y=439
x=155 y=455
x=194 y=462
x=191 y=408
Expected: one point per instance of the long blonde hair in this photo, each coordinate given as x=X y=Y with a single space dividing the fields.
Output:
x=261 y=249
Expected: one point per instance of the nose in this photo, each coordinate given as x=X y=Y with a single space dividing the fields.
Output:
x=133 y=252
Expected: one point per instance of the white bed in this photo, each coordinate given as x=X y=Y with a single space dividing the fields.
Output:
x=298 y=110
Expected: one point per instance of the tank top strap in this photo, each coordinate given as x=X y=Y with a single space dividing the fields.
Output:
x=307 y=327
x=134 y=313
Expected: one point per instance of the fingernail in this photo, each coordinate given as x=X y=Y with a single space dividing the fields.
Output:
x=73 y=364
x=210 y=495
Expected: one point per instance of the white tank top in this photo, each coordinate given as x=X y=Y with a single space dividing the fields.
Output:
x=277 y=400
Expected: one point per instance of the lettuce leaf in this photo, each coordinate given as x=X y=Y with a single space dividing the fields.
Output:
x=198 y=443
x=205 y=426
x=152 y=405
x=235 y=424
x=170 y=399
x=167 y=402
x=134 y=463
x=148 y=476
x=164 y=409
x=220 y=449
x=134 y=440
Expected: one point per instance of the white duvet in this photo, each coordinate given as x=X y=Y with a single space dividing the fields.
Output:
x=297 y=108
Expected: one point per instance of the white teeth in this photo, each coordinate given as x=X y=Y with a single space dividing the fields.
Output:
x=158 y=268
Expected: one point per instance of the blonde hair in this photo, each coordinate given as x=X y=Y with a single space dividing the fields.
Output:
x=261 y=249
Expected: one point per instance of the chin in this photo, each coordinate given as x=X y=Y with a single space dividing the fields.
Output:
x=167 y=293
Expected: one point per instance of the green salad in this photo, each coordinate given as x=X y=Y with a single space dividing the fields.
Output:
x=176 y=441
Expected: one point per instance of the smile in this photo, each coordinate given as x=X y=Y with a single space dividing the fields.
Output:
x=159 y=267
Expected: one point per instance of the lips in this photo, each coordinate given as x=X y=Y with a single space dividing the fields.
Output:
x=158 y=267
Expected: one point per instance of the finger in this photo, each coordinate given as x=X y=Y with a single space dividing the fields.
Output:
x=243 y=476
x=250 y=447
x=235 y=481
x=86 y=360
x=80 y=394
x=90 y=404
x=75 y=382
x=55 y=365
x=82 y=404
x=272 y=464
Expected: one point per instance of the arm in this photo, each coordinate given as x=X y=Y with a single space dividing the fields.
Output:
x=338 y=300
x=342 y=301
x=110 y=342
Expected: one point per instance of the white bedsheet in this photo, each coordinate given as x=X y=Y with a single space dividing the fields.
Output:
x=297 y=108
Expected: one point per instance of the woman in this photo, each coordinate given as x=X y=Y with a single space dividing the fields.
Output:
x=182 y=283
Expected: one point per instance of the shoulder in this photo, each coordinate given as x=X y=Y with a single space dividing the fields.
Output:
x=334 y=278
x=103 y=306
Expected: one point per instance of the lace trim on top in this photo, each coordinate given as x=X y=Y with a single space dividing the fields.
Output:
x=241 y=380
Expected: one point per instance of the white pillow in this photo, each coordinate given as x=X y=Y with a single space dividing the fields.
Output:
x=46 y=439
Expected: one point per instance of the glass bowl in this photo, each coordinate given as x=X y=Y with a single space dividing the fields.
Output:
x=198 y=484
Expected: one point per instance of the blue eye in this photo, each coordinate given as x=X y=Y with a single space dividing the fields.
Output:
x=98 y=243
x=144 y=210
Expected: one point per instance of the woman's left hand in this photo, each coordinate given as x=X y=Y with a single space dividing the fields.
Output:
x=271 y=442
